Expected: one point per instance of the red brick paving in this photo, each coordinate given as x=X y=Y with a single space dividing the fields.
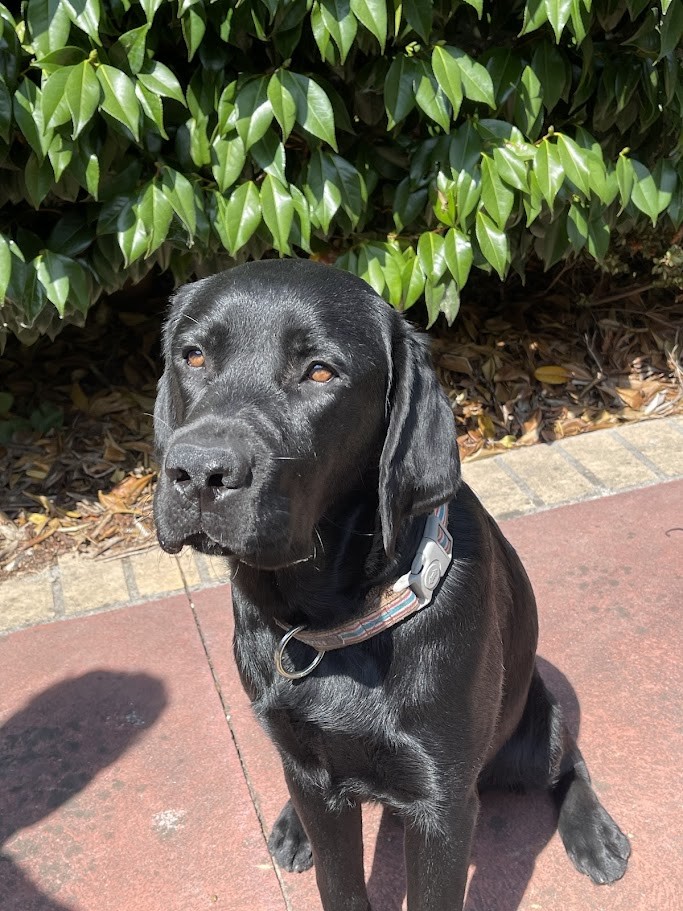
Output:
x=122 y=788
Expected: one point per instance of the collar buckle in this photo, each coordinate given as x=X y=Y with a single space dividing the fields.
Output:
x=431 y=562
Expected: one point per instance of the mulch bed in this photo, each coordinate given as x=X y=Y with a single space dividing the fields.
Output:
x=76 y=463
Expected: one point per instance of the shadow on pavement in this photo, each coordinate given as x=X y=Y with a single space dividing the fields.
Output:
x=512 y=830
x=51 y=750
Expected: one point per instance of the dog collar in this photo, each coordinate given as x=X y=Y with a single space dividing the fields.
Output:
x=405 y=597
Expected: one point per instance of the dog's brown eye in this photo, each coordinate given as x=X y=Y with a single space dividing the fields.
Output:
x=319 y=373
x=194 y=357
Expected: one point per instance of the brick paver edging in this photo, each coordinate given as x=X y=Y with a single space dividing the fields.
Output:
x=512 y=484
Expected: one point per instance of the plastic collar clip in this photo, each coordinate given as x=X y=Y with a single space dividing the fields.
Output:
x=430 y=563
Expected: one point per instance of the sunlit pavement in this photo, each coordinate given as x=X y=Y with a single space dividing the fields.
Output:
x=133 y=776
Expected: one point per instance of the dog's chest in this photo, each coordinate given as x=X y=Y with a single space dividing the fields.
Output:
x=348 y=747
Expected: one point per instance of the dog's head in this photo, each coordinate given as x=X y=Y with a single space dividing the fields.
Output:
x=288 y=384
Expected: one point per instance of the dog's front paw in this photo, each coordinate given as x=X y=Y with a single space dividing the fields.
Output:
x=599 y=849
x=288 y=842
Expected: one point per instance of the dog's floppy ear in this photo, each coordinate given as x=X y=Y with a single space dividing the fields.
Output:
x=165 y=414
x=168 y=403
x=419 y=465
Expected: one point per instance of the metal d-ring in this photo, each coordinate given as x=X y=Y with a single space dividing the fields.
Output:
x=279 y=655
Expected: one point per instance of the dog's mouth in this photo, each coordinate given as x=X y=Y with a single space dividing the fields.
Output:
x=261 y=559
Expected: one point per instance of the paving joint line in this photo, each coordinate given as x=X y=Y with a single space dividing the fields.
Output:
x=528 y=491
x=642 y=458
x=131 y=581
x=58 y=605
x=243 y=765
x=582 y=469
x=202 y=568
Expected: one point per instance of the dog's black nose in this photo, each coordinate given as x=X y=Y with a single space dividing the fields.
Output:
x=194 y=468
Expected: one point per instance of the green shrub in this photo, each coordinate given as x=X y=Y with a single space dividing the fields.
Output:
x=408 y=140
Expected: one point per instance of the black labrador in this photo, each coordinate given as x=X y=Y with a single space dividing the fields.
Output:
x=302 y=433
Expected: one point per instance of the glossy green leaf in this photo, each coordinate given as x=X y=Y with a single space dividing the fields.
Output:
x=505 y=66
x=150 y=7
x=156 y=213
x=300 y=233
x=408 y=203
x=528 y=103
x=548 y=171
x=130 y=49
x=333 y=183
x=496 y=197
x=28 y=114
x=85 y=15
x=671 y=29
x=5 y=266
x=373 y=15
x=577 y=227
x=418 y=14
x=49 y=25
x=558 y=13
x=477 y=84
x=282 y=102
x=338 y=23
x=253 y=112
x=431 y=251
x=535 y=15
x=82 y=95
x=239 y=216
x=464 y=148
x=132 y=234
x=54 y=277
x=159 y=79
x=430 y=97
x=553 y=72
x=458 y=252
x=228 y=157
x=467 y=195
x=119 y=99
x=193 y=24
x=511 y=168
x=493 y=243
x=5 y=112
x=63 y=57
x=648 y=194
x=152 y=107
x=54 y=102
x=574 y=160
x=269 y=155
x=60 y=154
x=178 y=190
x=447 y=73
x=313 y=107
x=399 y=90
x=434 y=295
x=39 y=177
x=598 y=237
x=450 y=302
x=413 y=280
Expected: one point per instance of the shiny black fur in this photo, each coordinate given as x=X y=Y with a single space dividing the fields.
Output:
x=316 y=493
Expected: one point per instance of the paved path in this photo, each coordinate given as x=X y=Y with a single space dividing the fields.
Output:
x=134 y=778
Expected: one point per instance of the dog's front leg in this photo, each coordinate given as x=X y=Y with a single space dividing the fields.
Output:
x=337 y=845
x=437 y=858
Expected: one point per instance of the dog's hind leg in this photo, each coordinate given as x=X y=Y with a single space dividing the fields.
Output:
x=543 y=754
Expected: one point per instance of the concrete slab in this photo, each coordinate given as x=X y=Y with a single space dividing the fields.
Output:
x=120 y=787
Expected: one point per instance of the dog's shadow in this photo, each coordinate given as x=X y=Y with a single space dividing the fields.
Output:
x=52 y=749
x=512 y=830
